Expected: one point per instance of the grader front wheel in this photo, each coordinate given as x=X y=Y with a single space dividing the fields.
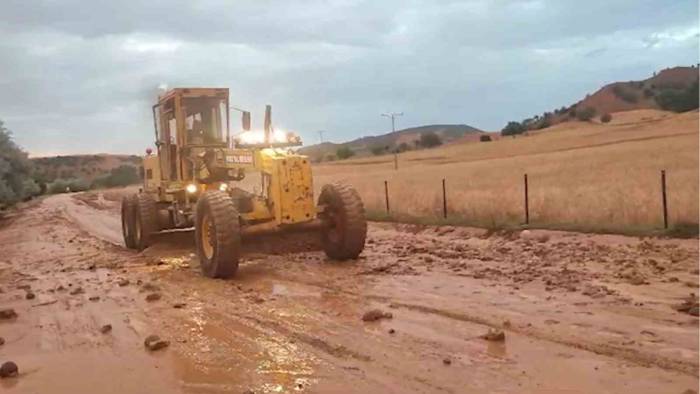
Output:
x=217 y=235
x=128 y=220
x=345 y=230
x=145 y=220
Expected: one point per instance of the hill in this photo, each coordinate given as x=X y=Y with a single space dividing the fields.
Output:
x=84 y=167
x=402 y=140
x=671 y=89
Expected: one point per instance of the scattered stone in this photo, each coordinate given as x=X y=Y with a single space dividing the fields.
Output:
x=7 y=313
x=446 y=361
x=2 y=341
x=77 y=290
x=91 y=267
x=123 y=282
x=153 y=297
x=689 y=305
x=179 y=305
x=8 y=369
x=392 y=331
x=153 y=343
x=29 y=295
x=494 y=335
x=94 y=298
x=376 y=314
x=149 y=287
x=506 y=324
x=690 y=391
x=106 y=328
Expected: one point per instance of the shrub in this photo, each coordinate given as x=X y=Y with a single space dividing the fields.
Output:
x=485 y=138
x=605 y=118
x=344 y=153
x=377 y=150
x=678 y=100
x=16 y=183
x=625 y=94
x=429 y=140
x=513 y=128
x=121 y=176
x=585 y=114
x=67 y=185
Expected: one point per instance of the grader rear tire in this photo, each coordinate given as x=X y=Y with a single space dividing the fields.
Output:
x=345 y=232
x=145 y=221
x=217 y=234
x=128 y=220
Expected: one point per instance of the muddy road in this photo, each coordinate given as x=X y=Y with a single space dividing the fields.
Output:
x=580 y=313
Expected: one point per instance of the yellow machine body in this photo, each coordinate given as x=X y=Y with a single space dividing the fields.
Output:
x=189 y=161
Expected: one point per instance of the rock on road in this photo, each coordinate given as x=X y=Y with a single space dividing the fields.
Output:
x=579 y=313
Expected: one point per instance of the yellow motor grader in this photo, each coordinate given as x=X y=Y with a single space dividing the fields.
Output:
x=194 y=179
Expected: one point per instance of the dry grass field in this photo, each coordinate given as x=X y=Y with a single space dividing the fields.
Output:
x=582 y=176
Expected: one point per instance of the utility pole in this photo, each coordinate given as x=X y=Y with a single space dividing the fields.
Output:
x=392 y=115
x=320 y=134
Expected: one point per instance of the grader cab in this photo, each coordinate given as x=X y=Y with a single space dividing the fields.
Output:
x=197 y=178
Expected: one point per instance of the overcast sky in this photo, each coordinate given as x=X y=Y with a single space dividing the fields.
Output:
x=80 y=76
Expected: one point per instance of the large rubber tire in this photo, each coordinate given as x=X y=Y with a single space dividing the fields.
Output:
x=217 y=234
x=128 y=220
x=343 y=236
x=145 y=221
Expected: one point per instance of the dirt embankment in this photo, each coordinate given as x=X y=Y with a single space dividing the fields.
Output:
x=578 y=313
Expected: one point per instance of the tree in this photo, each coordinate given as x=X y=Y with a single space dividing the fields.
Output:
x=121 y=176
x=513 y=128
x=430 y=140
x=377 y=150
x=344 y=153
x=585 y=114
x=677 y=100
x=16 y=182
x=605 y=118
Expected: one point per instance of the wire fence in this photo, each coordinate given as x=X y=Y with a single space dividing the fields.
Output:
x=526 y=208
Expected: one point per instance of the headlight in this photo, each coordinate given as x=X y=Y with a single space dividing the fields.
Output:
x=191 y=188
x=223 y=187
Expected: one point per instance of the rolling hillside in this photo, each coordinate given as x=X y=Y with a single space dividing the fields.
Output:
x=669 y=89
x=388 y=142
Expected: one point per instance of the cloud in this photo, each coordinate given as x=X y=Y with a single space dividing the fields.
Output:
x=81 y=76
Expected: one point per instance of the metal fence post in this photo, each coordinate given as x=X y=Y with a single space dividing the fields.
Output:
x=386 y=195
x=527 y=202
x=663 y=198
x=444 y=199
